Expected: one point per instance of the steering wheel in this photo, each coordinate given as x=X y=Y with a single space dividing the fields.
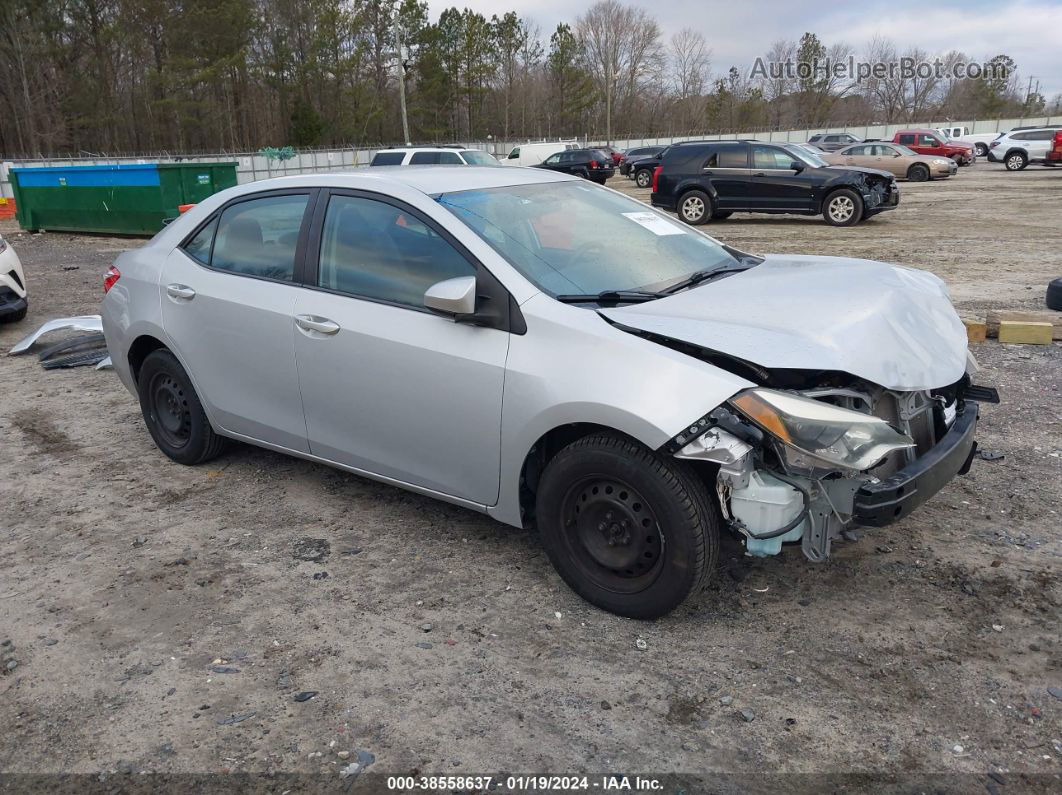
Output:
x=587 y=252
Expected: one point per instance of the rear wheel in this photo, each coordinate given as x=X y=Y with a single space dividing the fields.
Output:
x=695 y=207
x=918 y=173
x=172 y=412
x=1016 y=161
x=843 y=207
x=630 y=531
x=644 y=178
x=981 y=150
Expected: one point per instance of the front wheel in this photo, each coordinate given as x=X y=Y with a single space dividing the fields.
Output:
x=172 y=412
x=644 y=178
x=843 y=207
x=1016 y=161
x=629 y=530
x=918 y=173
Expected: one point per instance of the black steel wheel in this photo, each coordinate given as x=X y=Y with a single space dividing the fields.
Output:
x=172 y=412
x=631 y=531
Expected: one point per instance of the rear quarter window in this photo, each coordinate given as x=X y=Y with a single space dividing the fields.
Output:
x=387 y=159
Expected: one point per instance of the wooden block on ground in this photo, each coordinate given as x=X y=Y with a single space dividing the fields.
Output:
x=1018 y=331
x=976 y=330
x=1027 y=316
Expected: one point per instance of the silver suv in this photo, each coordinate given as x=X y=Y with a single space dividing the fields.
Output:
x=433 y=156
x=544 y=350
x=1017 y=149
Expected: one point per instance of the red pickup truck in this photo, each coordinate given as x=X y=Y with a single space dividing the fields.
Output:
x=1054 y=155
x=930 y=142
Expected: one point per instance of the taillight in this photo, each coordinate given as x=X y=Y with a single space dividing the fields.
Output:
x=593 y=164
x=1058 y=138
x=656 y=177
x=110 y=278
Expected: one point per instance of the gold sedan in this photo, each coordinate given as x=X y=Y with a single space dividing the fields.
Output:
x=901 y=161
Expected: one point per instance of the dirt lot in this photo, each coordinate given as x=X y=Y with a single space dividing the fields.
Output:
x=164 y=618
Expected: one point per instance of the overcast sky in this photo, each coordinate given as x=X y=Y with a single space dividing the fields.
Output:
x=1030 y=31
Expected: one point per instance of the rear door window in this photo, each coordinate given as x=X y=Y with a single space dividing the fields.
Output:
x=733 y=157
x=425 y=158
x=907 y=139
x=259 y=237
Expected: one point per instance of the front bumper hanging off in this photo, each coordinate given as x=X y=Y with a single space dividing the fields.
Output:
x=887 y=501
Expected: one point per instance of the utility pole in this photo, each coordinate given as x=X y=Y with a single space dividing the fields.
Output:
x=401 y=79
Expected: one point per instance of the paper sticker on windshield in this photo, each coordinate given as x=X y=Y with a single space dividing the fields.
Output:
x=655 y=224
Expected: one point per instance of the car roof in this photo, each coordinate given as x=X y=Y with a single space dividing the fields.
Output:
x=454 y=148
x=429 y=180
x=915 y=130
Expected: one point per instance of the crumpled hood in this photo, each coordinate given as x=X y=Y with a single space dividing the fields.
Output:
x=890 y=325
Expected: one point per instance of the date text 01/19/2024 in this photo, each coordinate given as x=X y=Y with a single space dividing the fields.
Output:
x=529 y=783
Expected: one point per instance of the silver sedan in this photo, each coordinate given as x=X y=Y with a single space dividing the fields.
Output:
x=549 y=351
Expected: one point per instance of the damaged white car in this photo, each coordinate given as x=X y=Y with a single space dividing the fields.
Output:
x=13 y=301
x=548 y=351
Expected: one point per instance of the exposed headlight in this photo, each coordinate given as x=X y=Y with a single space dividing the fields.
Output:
x=831 y=435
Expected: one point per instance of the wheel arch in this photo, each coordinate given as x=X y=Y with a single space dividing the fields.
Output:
x=545 y=449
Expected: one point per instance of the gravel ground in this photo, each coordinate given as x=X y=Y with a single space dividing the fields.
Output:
x=165 y=619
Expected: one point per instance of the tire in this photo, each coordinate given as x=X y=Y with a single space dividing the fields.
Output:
x=720 y=215
x=15 y=317
x=644 y=178
x=919 y=172
x=1054 y=295
x=843 y=207
x=1015 y=161
x=981 y=150
x=172 y=411
x=694 y=207
x=608 y=478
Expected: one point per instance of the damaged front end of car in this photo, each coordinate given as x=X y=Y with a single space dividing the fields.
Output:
x=809 y=462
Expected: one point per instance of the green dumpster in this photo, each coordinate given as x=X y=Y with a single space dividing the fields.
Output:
x=125 y=200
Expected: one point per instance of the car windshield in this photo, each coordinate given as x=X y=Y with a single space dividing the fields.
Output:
x=810 y=158
x=574 y=238
x=475 y=157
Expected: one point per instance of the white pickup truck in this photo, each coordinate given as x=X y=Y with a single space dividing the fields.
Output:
x=979 y=141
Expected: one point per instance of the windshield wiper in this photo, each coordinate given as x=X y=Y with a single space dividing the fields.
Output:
x=611 y=297
x=703 y=276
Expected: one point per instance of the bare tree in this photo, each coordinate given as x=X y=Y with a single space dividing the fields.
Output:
x=622 y=46
x=690 y=64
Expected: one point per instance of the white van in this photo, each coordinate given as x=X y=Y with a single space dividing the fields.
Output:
x=531 y=154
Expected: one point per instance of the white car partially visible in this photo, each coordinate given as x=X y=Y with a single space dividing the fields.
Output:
x=13 y=302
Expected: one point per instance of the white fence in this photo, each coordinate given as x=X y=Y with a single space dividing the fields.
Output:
x=253 y=166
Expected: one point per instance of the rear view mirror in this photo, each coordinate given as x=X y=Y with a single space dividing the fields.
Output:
x=453 y=296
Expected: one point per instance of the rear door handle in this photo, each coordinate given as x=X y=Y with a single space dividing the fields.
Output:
x=321 y=325
x=180 y=291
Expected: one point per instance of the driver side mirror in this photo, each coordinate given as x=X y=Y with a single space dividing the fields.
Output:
x=453 y=296
x=797 y=166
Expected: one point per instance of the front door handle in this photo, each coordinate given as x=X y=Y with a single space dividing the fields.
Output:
x=759 y=174
x=321 y=325
x=182 y=291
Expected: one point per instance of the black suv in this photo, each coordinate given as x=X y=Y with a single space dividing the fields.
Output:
x=633 y=155
x=716 y=178
x=592 y=164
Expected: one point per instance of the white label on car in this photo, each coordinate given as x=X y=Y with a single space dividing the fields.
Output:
x=655 y=224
